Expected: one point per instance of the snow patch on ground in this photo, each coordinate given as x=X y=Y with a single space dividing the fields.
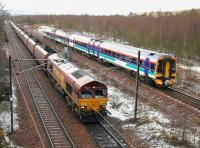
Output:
x=152 y=126
x=45 y=28
x=193 y=68
x=5 y=118
x=120 y=105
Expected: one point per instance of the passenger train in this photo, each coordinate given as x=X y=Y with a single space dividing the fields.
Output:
x=84 y=94
x=160 y=68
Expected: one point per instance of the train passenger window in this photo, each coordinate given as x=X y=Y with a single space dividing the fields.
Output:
x=123 y=57
x=117 y=55
x=113 y=54
x=160 y=66
x=86 y=94
x=141 y=63
x=126 y=59
x=133 y=60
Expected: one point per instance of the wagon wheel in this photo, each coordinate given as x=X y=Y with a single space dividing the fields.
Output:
x=68 y=102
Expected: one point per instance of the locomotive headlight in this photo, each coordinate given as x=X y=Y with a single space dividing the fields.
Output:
x=83 y=105
x=103 y=104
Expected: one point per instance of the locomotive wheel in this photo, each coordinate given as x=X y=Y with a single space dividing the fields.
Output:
x=78 y=112
x=80 y=116
x=48 y=75
x=72 y=106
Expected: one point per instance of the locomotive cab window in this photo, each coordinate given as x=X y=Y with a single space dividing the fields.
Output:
x=99 y=93
x=86 y=94
x=173 y=67
x=160 y=66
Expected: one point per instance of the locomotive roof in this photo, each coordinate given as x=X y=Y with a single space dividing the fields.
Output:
x=76 y=76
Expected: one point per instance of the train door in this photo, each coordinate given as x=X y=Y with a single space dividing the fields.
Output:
x=88 y=47
x=98 y=49
x=146 y=66
x=167 y=69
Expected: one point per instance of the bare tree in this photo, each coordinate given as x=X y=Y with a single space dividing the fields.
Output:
x=173 y=32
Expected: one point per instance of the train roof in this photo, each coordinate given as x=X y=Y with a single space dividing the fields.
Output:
x=82 y=38
x=113 y=46
x=120 y=48
x=131 y=51
x=53 y=30
x=77 y=77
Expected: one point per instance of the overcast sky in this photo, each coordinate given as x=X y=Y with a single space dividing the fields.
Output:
x=97 y=7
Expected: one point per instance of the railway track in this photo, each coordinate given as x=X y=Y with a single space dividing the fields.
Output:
x=182 y=97
x=53 y=127
x=105 y=135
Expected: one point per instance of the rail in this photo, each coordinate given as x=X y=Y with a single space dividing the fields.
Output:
x=105 y=135
x=195 y=102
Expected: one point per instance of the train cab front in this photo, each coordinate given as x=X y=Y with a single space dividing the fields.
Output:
x=93 y=99
x=165 y=72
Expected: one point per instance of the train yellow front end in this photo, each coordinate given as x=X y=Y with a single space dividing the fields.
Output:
x=165 y=71
x=93 y=99
x=93 y=105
